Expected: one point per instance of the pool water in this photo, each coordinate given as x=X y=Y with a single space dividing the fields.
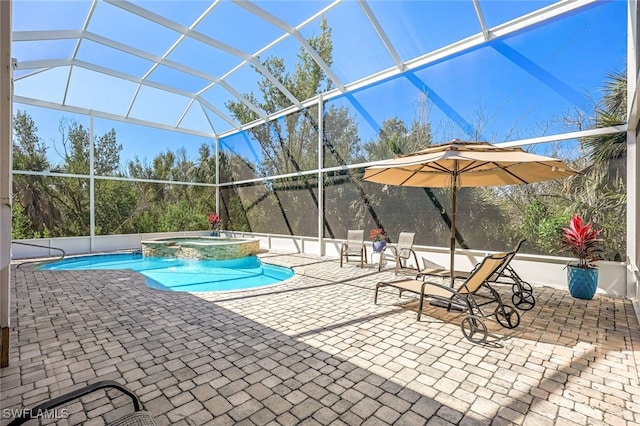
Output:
x=183 y=274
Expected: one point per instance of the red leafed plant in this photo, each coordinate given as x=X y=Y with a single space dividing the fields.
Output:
x=377 y=235
x=582 y=240
x=214 y=219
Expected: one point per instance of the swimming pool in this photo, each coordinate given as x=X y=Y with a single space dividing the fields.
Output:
x=183 y=274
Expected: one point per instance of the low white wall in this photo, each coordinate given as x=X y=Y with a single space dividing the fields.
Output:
x=84 y=245
x=633 y=283
x=116 y=242
x=538 y=270
x=48 y=246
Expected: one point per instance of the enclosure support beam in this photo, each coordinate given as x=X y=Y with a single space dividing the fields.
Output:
x=633 y=154
x=633 y=231
x=6 y=118
x=320 y=178
x=92 y=186
x=217 y=140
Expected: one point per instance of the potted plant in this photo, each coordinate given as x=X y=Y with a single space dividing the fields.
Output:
x=379 y=239
x=214 y=223
x=582 y=241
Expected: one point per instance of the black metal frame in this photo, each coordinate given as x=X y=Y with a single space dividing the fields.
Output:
x=522 y=297
x=27 y=415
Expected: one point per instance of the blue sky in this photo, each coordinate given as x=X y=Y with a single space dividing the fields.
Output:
x=521 y=85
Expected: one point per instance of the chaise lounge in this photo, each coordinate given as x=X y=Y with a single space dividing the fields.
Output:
x=522 y=297
x=467 y=297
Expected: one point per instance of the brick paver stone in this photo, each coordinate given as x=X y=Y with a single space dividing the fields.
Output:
x=315 y=350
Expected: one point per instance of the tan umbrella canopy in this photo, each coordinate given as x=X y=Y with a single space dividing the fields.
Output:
x=460 y=164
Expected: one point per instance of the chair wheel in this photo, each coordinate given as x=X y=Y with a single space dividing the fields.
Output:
x=474 y=329
x=508 y=317
x=523 y=300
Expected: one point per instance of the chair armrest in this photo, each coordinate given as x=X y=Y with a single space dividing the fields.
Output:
x=427 y=264
x=393 y=249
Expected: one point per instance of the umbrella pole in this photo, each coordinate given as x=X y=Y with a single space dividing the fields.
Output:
x=452 y=245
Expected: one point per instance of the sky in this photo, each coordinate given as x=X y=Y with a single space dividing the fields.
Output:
x=512 y=88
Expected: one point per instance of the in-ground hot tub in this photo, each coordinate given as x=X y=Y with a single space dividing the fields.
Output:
x=211 y=248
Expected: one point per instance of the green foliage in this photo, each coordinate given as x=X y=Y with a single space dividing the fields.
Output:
x=395 y=138
x=606 y=204
x=107 y=154
x=147 y=221
x=607 y=153
x=75 y=147
x=20 y=228
x=33 y=193
x=115 y=204
x=542 y=226
x=600 y=193
x=233 y=210
x=181 y=216
x=29 y=152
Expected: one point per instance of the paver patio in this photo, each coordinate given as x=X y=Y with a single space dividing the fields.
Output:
x=314 y=350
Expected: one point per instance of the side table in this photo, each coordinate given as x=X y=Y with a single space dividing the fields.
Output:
x=381 y=258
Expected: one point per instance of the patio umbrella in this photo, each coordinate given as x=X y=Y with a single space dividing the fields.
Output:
x=460 y=164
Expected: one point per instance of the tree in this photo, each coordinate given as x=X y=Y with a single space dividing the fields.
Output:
x=107 y=154
x=542 y=224
x=608 y=153
x=115 y=205
x=20 y=225
x=29 y=152
x=288 y=145
x=602 y=198
x=598 y=194
x=76 y=144
x=72 y=194
x=32 y=192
